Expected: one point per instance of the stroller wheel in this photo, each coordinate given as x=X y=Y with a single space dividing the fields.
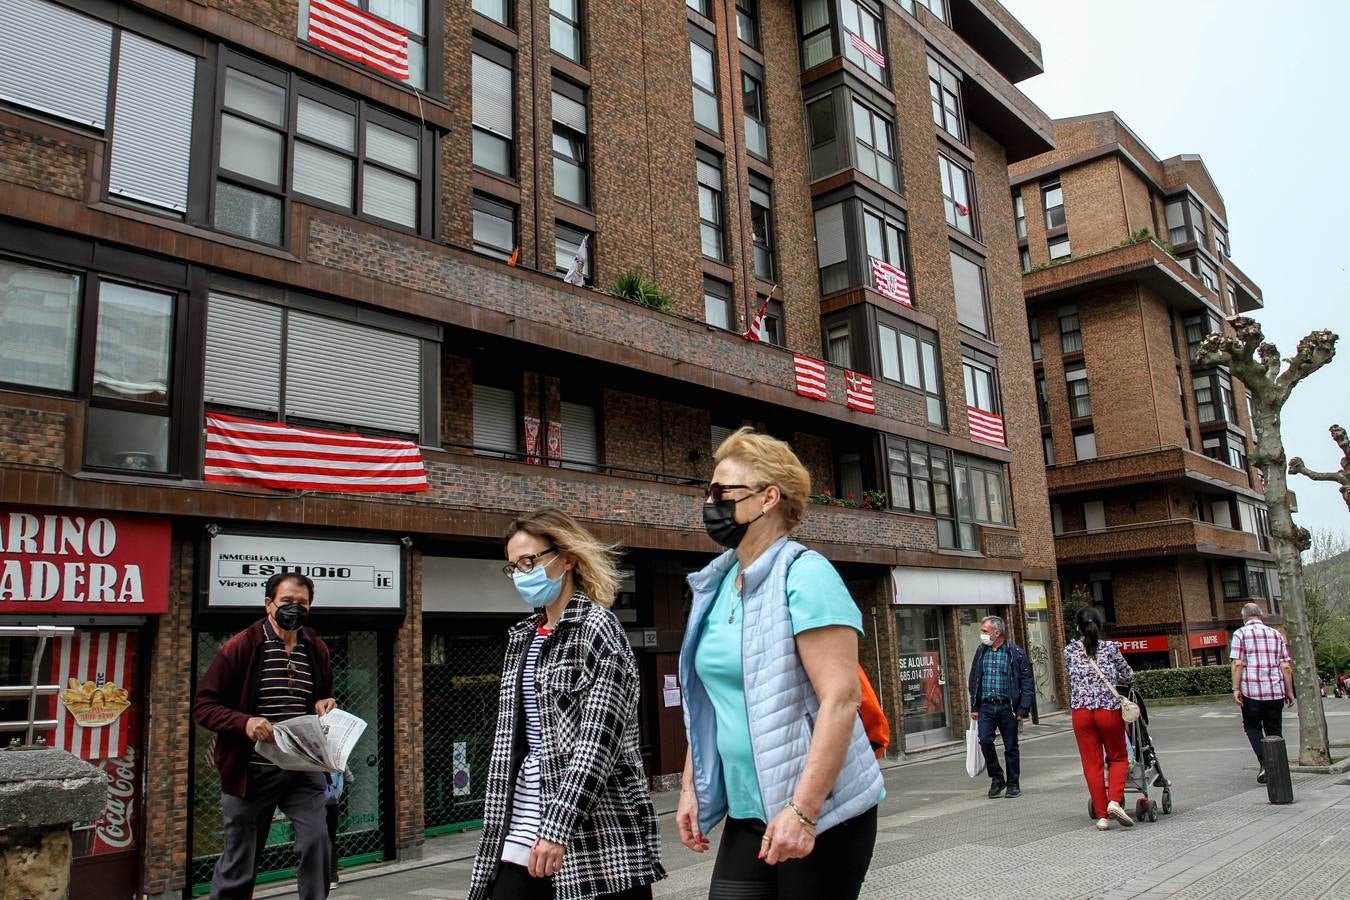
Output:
x=1167 y=803
x=1153 y=811
x=1141 y=810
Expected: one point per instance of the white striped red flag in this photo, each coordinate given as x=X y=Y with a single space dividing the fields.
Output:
x=357 y=35
x=985 y=426
x=890 y=281
x=810 y=375
x=756 y=330
x=95 y=671
x=867 y=49
x=243 y=451
x=860 y=396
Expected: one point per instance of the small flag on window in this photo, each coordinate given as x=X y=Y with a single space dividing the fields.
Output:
x=576 y=273
x=961 y=208
x=985 y=426
x=810 y=377
x=860 y=396
x=514 y=257
x=357 y=35
x=890 y=281
x=756 y=330
x=867 y=49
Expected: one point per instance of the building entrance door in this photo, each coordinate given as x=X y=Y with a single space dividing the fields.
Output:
x=922 y=661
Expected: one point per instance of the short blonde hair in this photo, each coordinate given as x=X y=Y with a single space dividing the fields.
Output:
x=597 y=571
x=771 y=461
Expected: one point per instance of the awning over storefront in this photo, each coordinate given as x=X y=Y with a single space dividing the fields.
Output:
x=950 y=587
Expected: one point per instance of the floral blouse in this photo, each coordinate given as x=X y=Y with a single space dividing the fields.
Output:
x=1086 y=687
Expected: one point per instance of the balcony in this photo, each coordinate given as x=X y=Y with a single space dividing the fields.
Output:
x=995 y=34
x=1249 y=297
x=1168 y=464
x=1171 y=537
x=1143 y=261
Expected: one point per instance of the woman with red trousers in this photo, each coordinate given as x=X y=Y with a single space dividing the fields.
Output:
x=1097 y=723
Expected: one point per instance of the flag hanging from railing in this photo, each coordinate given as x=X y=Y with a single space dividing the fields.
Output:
x=985 y=426
x=357 y=35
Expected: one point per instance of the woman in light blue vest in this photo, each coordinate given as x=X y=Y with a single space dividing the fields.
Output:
x=770 y=673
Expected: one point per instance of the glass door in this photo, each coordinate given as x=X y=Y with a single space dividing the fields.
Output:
x=922 y=660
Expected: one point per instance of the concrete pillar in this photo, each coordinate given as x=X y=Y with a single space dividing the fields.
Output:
x=42 y=793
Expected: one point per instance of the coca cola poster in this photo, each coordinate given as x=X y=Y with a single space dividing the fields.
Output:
x=554 y=443
x=532 y=440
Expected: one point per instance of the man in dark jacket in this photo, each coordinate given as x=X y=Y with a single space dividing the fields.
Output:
x=273 y=670
x=1000 y=696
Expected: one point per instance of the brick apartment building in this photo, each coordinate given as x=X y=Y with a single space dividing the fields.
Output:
x=205 y=212
x=1158 y=516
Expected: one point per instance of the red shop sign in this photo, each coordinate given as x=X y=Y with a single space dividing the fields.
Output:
x=1154 y=644
x=84 y=563
x=1209 y=639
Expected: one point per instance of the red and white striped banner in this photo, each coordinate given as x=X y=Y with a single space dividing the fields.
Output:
x=890 y=281
x=357 y=35
x=985 y=426
x=243 y=451
x=860 y=396
x=810 y=374
x=96 y=672
x=867 y=49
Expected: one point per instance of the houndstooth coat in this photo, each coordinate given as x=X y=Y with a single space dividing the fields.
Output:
x=593 y=790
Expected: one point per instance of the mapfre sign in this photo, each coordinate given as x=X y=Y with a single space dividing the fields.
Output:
x=82 y=563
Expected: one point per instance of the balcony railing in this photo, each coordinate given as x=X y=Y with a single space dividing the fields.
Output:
x=1146 y=467
x=1168 y=537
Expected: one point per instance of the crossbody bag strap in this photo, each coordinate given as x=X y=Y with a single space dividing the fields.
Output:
x=1092 y=662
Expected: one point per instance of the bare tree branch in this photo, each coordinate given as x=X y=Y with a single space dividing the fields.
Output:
x=1341 y=477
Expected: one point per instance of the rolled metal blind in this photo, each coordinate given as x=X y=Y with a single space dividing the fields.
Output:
x=152 y=124
x=494 y=420
x=580 y=448
x=243 y=353
x=831 y=247
x=492 y=97
x=569 y=112
x=55 y=60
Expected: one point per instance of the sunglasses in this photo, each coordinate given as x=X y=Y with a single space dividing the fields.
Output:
x=526 y=563
x=718 y=492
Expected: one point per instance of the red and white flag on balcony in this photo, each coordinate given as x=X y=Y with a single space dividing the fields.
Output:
x=96 y=672
x=357 y=35
x=890 y=281
x=242 y=451
x=756 y=330
x=867 y=49
x=810 y=375
x=961 y=208
x=985 y=426
x=860 y=396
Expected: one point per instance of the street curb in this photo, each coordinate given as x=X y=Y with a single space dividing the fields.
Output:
x=1337 y=767
x=1195 y=700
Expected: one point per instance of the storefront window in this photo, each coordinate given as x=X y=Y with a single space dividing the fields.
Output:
x=922 y=659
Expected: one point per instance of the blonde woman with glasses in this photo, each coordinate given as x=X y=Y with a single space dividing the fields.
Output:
x=567 y=813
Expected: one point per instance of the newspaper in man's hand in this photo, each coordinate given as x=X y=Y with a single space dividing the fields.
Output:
x=313 y=743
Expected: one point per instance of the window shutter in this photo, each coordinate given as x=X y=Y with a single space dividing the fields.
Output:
x=152 y=125
x=580 y=448
x=494 y=420
x=492 y=97
x=243 y=353
x=569 y=112
x=831 y=246
x=720 y=434
x=55 y=60
x=353 y=374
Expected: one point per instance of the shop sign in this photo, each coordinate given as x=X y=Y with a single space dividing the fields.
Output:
x=349 y=575
x=83 y=563
x=1209 y=640
x=1154 y=644
x=1033 y=594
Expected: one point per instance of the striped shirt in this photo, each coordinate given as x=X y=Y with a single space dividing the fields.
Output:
x=525 y=814
x=1262 y=651
x=285 y=684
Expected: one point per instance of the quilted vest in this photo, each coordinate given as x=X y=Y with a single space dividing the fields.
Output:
x=779 y=699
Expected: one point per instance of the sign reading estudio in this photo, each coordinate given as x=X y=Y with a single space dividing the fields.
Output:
x=84 y=563
x=346 y=574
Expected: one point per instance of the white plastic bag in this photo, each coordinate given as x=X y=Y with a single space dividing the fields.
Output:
x=974 y=755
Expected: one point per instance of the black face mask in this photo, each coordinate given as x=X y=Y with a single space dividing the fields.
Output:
x=719 y=520
x=291 y=616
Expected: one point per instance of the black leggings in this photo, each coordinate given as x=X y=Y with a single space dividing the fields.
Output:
x=515 y=883
x=835 y=868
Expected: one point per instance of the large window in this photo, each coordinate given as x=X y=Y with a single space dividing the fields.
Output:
x=717 y=303
x=774 y=326
x=1196 y=327
x=747 y=22
x=909 y=356
x=410 y=15
x=971 y=306
x=1227 y=447
x=860 y=19
x=1052 y=196
x=1070 y=330
x=822 y=136
x=1085 y=445
x=845 y=260
x=981 y=377
x=761 y=227
x=944 y=88
x=1034 y=332
x=496 y=10
x=874 y=144
x=39 y=326
x=756 y=116
x=1103 y=595
x=1020 y=215
x=839 y=346
x=817 y=36
x=565 y=29
x=1080 y=398
x=566 y=242
x=711 y=207
x=571 y=169
x=1060 y=249
x=1185 y=221
x=960 y=491
x=911 y=477
x=703 y=64
x=956 y=195
x=1214 y=401
x=493 y=109
x=494 y=227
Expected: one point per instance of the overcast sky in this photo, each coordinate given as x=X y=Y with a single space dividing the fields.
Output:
x=1259 y=90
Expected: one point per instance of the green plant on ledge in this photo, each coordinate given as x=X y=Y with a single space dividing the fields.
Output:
x=874 y=500
x=870 y=500
x=635 y=288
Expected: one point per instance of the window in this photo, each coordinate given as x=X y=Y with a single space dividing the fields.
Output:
x=883 y=239
x=1196 y=327
x=1103 y=595
x=494 y=227
x=832 y=248
x=936 y=7
x=571 y=172
x=152 y=125
x=250 y=185
x=1059 y=248
x=774 y=323
x=496 y=425
x=1052 y=196
x=860 y=19
x=55 y=60
x=843 y=261
x=704 y=68
x=1024 y=258
x=566 y=242
x=944 y=89
x=717 y=304
x=911 y=475
x=956 y=193
x=909 y=356
x=968 y=280
x=756 y=118
x=1070 y=331
x=1227 y=447
x=580 y=436
x=410 y=15
x=817 y=36
x=565 y=29
x=39 y=326
x=1197 y=214
x=981 y=376
x=747 y=22
x=1084 y=445
x=1220 y=240
x=710 y=209
x=1020 y=213
x=838 y=348
x=1042 y=399
x=981 y=497
x=1176 y=222
x=1094 y=515
x=875 y=145
x=1080 y=399
x=1230 y=299
x=496 y=10
x=493 y=109
x=850 y=475
x=1205 y=272
x=1214 y=400
x=821 y=134
x=1034 y=332
x=1056 y=518
x=761 y=227
x=1048 y=449
x=1233 y=582
x=703 y=7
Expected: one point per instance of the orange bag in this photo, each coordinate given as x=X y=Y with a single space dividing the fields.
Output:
x=875 y=723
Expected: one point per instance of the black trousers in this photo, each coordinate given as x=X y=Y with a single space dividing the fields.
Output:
x=1000 y=716
x=515 y=883
x=1262 y=718
x=835 y=869
x=300 y=796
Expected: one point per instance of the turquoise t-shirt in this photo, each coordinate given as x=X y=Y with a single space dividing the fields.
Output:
x=816 y=598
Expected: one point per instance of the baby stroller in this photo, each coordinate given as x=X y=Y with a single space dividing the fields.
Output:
x=1145 y=769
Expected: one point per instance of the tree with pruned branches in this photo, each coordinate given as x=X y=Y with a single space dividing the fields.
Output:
x=1342 y=477
x=1270 y=381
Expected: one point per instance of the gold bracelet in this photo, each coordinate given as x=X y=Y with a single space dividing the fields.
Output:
x=801 y=816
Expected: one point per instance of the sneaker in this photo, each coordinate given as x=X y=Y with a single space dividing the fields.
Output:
x=1013 y=791
x=1261 y=777
x=996 y=789
x=1117 y=812
x=1103 y=825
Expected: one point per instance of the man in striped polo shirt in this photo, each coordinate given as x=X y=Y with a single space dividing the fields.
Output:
x=273 y=670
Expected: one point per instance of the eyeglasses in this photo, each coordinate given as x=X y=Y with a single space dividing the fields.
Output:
x=526 y=563
x=718 y=492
